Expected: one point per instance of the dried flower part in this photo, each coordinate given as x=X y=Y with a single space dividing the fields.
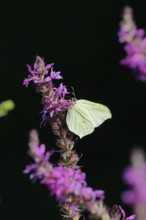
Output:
x=33 y=138
x=70 y=212
x=135 y=44
x=69 y=159
x=65 y=144
x=137 y=157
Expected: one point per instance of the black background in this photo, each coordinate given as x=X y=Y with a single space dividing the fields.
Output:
x=80 y=37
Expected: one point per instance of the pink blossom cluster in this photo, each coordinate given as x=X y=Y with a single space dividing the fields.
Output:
x=63 y=183
x=135 y=176
x=53 y=97
x=134 y=44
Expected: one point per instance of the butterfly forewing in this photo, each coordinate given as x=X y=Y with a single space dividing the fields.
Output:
x=96 y=113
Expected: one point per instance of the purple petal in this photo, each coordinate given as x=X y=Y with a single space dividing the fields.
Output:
x=99 y=193
x=48 y=155
x=30 y=69
x=122 y=211
x=51 y=113
x=29 y=168
x=42 y=148
x=26 y=82
x=49 y=66
x=131 y=217
x=55 y=75
x=35 y=66
x=37 y=151
x=48 y=79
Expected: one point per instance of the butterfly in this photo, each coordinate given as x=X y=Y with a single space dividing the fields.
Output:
x=85 y=116
x=6 y=106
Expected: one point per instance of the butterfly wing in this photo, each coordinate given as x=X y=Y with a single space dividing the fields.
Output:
x=77 y=123
x=96 y=113
x=84 y=116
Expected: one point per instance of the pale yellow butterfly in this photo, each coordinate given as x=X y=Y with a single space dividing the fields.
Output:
x=85 y=116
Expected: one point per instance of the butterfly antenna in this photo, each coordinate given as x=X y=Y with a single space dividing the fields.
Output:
x=73 y=91
x=80 y=156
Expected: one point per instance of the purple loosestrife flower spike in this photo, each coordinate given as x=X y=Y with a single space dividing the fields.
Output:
x=135 y=176
x=68 y=185
x=65 y=181
x=134 y=41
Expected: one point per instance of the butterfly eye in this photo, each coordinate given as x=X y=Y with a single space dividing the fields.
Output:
x=73 y=91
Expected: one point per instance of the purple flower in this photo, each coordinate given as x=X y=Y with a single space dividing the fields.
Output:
x=62 y=182
x=41 y=167
x=118 y=213
x=30 y=168
x=55 y=75
x=38 y=153
x=135 y=176
x=88 y=193
x=54 y=105
x=65 y=182
x=70 y=182
x=135 y=44
x=39 y=72
x=61 y=91
x=131 y=217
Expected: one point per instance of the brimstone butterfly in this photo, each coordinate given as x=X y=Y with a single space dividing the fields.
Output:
x=85 y=116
